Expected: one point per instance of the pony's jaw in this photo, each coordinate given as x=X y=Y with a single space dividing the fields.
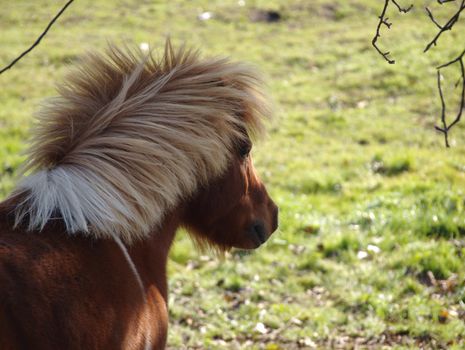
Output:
x=226 y=238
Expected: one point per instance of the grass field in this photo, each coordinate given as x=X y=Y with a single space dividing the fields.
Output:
x=370 y=250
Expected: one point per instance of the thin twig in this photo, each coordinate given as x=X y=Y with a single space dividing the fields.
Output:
x=400 y=8
x=384 y=20
x=430 y=15
x=38 y=39
x=443 y=111
x=448 y=26
x=446 y=128
x=458 y=58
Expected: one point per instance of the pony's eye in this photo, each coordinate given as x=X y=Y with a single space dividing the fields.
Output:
x=245 y=149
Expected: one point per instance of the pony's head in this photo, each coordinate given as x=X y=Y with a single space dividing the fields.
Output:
x=132 y=136
x=233 y=210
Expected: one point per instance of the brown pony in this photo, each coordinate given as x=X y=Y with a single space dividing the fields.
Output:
x=133 y=148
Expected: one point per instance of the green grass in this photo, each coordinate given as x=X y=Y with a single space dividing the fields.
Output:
x=372 y=225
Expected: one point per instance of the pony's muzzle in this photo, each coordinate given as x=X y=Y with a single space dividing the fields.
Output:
x=259 y=232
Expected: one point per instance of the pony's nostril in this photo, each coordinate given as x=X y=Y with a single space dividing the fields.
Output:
x=259 y=232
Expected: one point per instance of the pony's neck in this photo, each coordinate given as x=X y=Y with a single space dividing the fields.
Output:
x=150 y=254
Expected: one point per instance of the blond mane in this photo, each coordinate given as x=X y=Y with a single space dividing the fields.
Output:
x=130 y=135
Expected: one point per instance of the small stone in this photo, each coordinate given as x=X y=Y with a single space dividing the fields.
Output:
x=373 y=249
x=261 y=328
x=205 y=16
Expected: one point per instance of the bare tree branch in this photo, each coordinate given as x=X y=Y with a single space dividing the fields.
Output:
x=383 y=20
x=448 y=26
x=445 y=128
x=443 y=110
x=38 y=39
x=459 y=59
